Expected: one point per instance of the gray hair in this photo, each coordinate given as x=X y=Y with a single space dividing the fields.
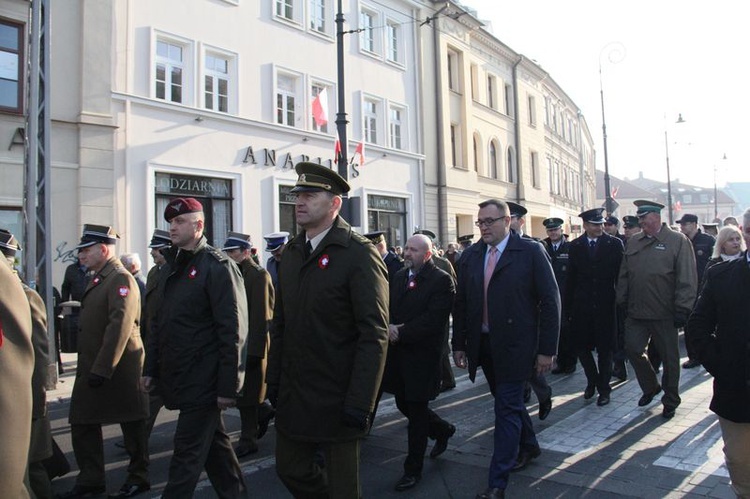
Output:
x=131 y=261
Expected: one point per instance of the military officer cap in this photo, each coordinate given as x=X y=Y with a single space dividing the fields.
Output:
x=237 y=240
x=8 y=243
x=181 y=206
x=425 y=232
x=97 y=234
x=516 y=210
x=645 y=207
x=710 y=225
x=688 y=218
x=376 y=237
x=629 y=222
x=314 y=177
x=276 y=240
x=552 y=223
x=592 y=216
x=468 y=238
x=612 y=220
x=160 y=239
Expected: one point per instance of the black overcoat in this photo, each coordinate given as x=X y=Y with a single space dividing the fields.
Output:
x=412 y=368
x=591 y=292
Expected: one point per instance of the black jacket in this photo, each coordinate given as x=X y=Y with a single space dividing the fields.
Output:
x=703 y=247
x=720 y=336
x=412 y=368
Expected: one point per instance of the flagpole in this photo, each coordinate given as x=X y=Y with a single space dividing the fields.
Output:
x=341 y=121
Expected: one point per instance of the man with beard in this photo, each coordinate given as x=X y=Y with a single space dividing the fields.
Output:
x=421 y=297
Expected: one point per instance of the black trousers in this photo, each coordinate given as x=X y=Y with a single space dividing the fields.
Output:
x=597 y=373
x=201 y=441
x=424 y=423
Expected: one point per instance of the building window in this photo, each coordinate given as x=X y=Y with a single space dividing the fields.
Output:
x=286 y=99
x=493 y=160
x=170 y=77
x=215 y=194
x=396 y=127
x=287 y=212
x=534 y=169
x=546 y=110
x=318 y=17
x=491 y=85
x=455 y=144
x=511 y=166
x=285 y=9
x=453 y=65
x=367 y=39
x=532 y=110
x=11 y=67
x=393 y=31
x=508 y=100
x=370 y=117
x=216 y=90
x=316 y=89
x=388 y=214
x=687 y=199
x=475 y=150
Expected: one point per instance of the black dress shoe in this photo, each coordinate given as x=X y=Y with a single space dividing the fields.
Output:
x=441 y=442
x=690 y=363
x=245 y=449
x=129 y=490
x=589 y=392
x=668 y=412
x=82 y=491
x=545 y=408
x=525 y=457
x=446 y=387
x=407 y=482
x=263 y=423
x=602 y=400
x=526 y=394
x=492 y=493
x=648 y=397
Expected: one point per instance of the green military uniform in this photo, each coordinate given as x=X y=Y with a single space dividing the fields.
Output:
x=16 y=369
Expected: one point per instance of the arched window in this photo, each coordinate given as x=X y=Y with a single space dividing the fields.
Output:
x=493 y=160
x=477 y=158
x=511 y=167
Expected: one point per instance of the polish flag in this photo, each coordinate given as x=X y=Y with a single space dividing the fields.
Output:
x=677 y=206
x=361 y=152
x=337 y=149
x=320 y=108
x=614 y=191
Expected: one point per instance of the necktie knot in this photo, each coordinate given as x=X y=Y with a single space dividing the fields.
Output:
x=308 y=249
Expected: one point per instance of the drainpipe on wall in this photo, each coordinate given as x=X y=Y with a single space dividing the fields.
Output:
x=441 y=165
x=519 y=176
x=420 y=106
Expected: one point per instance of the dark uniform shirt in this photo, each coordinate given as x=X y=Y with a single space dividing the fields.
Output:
x=703 y=246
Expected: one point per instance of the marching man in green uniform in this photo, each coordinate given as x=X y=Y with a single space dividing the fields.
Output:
x=328 y=342
x=260 y=294
x=110 y=362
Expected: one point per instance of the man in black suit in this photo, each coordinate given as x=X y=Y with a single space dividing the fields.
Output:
x=421 y=297
x=506 y=319
x=595 y=259
x=719 y=336
x=557 y=247
x=392 y=261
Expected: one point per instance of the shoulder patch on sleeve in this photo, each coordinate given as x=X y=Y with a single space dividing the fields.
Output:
x=216 y=253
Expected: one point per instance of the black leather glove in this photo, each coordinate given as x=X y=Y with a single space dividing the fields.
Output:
x=680 y=320
x=355 y=418
x=95 y=381
x=272 y=394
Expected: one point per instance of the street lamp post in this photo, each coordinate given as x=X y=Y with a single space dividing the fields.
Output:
x=617 y=50
x=716 y=192
x=669 y=177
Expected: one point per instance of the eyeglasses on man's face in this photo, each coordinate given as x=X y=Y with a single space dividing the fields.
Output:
x=486 y=222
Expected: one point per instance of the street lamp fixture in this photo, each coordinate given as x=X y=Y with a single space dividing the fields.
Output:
x=669 y=178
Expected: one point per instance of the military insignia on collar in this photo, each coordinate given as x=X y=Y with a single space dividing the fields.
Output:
x=124 y=291
x=323 y=262
x=96 y=280
x=193 y=272
x=412 y=285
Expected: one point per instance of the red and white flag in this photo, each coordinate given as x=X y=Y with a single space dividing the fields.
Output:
x=337 y=149
x=360 y=151
x=614 y=191
x=320 y=108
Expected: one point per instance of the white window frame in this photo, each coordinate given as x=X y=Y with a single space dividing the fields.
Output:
x=531 y=102
x=370 y=41
x=187 y=66
x=231 y=76
x=402 y=125
x=279 y=11
x=294 y=91
x=494 y=161
x=330 y=127
x=327 y=18
x=371 y=119
x=492 y=91
x=397 y=45
x=453 y=63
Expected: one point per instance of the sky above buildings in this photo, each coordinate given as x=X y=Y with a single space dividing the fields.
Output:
x=680 y=57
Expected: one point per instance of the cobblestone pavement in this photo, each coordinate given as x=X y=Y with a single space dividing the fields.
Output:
x=619 y=450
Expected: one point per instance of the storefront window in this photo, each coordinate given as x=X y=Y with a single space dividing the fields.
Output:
x=287 y=215
x=389 y=215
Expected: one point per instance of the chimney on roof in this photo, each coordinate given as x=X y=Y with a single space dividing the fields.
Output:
x=640 y=174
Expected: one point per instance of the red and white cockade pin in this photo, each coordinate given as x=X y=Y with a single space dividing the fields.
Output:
x=412 y=284
x=96 y=280
x=323 y=262
x=193 y=272
x=124 y=291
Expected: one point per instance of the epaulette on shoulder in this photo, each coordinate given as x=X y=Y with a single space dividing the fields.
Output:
x=216 y=253
x=356 y=236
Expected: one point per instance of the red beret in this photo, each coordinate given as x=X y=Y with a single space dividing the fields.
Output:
x=180 y=206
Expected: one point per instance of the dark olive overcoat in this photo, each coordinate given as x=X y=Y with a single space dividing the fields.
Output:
x=16 y=369
x=329 y=334
x=109 y=345
x=260 y=297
